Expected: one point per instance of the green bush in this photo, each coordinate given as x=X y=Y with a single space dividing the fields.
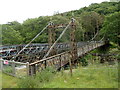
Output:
x=45 y=75
x=27 y=82
x=8 y=69
x=84 y=60
x=37 y=80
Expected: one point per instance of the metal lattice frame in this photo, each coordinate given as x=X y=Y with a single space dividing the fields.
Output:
x=73 y=43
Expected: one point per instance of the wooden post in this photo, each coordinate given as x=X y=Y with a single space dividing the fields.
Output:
x=60 y=62
x=27 y=68
x=45 y=63
x=70 y=64
x=13 y=67
x=30 y=70
x=34 y=69
x=1 y=64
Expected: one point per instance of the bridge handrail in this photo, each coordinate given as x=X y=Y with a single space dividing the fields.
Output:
x=15 y=62
x=48 y=58
x=52 y=56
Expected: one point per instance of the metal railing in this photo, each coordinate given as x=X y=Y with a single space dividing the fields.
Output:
x=62 y=59
x=13 y=68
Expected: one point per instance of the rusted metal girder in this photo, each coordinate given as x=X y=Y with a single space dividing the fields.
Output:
x=56 y=26
x=73 y=43
x=58 y=60
x=51 y=38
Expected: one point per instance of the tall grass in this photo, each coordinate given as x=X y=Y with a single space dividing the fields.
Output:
x=28 y=82
x=8 y=81
x=92 y=76
x=38 y=80
x=8 y=69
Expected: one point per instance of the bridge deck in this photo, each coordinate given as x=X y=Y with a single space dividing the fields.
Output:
x=62 y=59
x=56 y=61
x=33 y=52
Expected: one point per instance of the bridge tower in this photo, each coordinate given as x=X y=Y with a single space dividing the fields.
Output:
x=51 y=37
x=73 y=43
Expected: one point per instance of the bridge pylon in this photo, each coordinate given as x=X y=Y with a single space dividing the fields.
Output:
x=73 y=43
x=51 y=38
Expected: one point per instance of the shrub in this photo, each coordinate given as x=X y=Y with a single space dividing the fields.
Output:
x=27 y=82
x=37 y=80
x=8 y=69
x=45 y=75
x=84 y=61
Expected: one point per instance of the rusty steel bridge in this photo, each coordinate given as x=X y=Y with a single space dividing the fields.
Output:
x=40 y=56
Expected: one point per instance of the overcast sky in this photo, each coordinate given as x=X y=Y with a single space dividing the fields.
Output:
x=20 y=10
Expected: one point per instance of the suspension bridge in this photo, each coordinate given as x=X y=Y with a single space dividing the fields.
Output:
x=40 y=56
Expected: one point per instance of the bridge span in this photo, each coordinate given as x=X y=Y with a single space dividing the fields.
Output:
x=60 y=60
x=39 y=56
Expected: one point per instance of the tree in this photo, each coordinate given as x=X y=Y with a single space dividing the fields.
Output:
x=91 y=23
x=111 y=27
x=10 y=36
x=15 y=25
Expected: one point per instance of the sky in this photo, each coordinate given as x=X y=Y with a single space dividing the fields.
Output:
x=20 y=10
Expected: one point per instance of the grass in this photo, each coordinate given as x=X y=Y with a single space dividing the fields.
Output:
x=0 y=80
x=101 y=76
x=8 y=81
x=39 y=80
x=92 y=76
x=8 y=69
x=23 y=74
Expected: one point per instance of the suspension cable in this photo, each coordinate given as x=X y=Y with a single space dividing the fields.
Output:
x=57 y=40
x=32 y=40
x=103 y=37
x=94 y=36
x=97 y=34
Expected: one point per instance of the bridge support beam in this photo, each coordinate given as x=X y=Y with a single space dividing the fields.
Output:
x=73 y=43
x=32 y=70
x=51 y=38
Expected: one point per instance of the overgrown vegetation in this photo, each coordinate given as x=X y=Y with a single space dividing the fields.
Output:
x=39 y=80
x=92 y=76
x=8 y=81
x=100 y=18
x=8 y=69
